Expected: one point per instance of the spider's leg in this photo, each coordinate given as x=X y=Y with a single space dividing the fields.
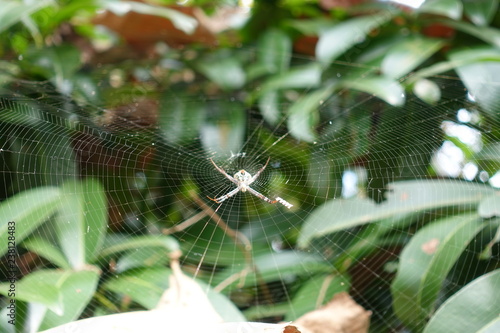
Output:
x=259 y=172
x=266 y=199
x=224 y=173
x=223 y=198
x=261 y=196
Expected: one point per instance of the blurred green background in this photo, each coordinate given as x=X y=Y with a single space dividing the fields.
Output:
x=382 y=122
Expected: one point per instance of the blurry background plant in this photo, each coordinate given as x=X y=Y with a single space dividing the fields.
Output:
x=116 y=105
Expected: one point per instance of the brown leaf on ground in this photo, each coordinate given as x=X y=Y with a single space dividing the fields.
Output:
x=143 y=31
x=290 y=329
x=341 y=315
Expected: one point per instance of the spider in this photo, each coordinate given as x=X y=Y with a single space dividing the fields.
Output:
x=243 y=180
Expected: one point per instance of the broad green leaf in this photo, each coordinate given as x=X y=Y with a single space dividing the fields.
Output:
x=487 y=253
x=490 y=206
x=449 y=8
x=303 y=115
x=482 y=79
x=490 y=152
x=311 y=27
x=222 y=304
x=180 y=20
x=28 y=209
x=180 y=119
x=76 y=289
x=426 y=261
x=47 y=250
x=316 y=292
x=402 y=198
x=480 y=12
x=12 y=12
x=407 y=54
x=272 y=267
x=269 y=107
x=52 y=159
x=82 y=221
x=445 y=66
x=57 y=63
x=274 y=51
x=71 y=225
x=37 y=287
x=142 y=257
x=340 y=38
x=427 y=91
x=95 y=218
x=474 y=308
x=227 y=73
x=144 y=286
x=117 y=246
x=306 y=77
x=487 y=34
x=260 y=311
x=382 y=87
x=225 y=130
x=336 y=215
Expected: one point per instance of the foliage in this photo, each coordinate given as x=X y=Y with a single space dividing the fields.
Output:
x=375 y=49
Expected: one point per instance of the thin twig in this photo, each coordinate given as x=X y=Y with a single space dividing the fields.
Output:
x=183 y=225
x=243 y=243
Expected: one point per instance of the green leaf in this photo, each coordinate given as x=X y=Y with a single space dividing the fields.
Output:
x=13 y=11
x=487 y=34
x=269 y=107
x=274 y=51
x=227 y=73
x=58 y=63
x=28 y=210
x=76 y=290
x=336 y=215
x=82 y=220
x=427 y=91
x=402 y=198
x=338 y=39
x=480 y=12
x=407 y=54
x=96 y=218
x=142 y=257
x=144 y=286
x=223 y=305
x=449 y=8
x=490 y=206
x=37 y=287
x=47 y=250
x=384 y=88
x=316 y=292
x=306 y=77
x=70 y=224
x=490 y=152
x=303 y=115
x=482 y=79
x=117 y=246
x=180 y=119
x=225 y=130
x=474 y=308
x=181 y=21
x=273 y=267
x=310 y=27
x=426 y=261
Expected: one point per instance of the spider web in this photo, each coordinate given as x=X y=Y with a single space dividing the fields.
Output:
x=157 y=172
